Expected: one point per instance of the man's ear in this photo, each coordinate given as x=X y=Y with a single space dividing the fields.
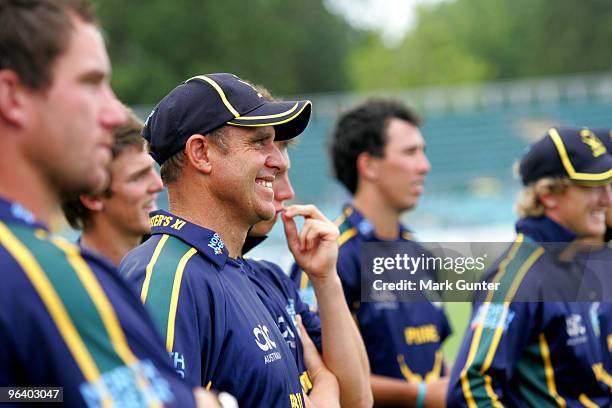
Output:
x=13 y=98
x=367 y=166
x=550 y=201
x=92 y=202
x=197 y=152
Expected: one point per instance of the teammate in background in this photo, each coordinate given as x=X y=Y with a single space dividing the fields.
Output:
x=378 y=154
x=343 y=350
x=518 y=352
x=214 y=138
x=67 y=319
x=114 y=221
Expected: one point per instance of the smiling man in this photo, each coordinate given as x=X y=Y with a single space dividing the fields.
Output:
x=214 y=138
x=534 y=343
x=114 y=221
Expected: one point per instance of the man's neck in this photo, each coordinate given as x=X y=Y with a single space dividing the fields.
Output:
x=109 y=242
x=21 y=183
x=384 y=219
x=206 y=212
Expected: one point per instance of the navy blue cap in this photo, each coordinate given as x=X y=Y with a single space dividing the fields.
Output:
x=206 y=102
x=605 y=135
x=577 y=154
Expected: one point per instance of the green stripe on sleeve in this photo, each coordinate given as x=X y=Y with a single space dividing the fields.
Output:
x=74 y=296
x=159 y=295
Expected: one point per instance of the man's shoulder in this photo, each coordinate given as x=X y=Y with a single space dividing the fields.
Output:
x=520 y=262
x=268 y=271
x=267 y=266
x=161 y=251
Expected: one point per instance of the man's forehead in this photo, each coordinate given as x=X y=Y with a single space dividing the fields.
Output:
x=133 y=156
x=404 y=135
x=85 y=49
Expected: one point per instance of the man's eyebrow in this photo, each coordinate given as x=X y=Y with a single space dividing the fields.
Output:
x=263 y=132
x=140 y=172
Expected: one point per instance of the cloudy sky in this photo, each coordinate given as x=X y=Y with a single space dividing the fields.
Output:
x=393 y=18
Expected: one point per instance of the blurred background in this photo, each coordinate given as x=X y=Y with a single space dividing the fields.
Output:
x=488 y=76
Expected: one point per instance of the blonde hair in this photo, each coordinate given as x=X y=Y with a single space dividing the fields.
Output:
x=528 y=203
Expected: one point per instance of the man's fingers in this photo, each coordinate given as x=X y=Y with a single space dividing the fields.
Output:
x=313 y=235
x=290 y=231
x=304 y=233
x=306 y=210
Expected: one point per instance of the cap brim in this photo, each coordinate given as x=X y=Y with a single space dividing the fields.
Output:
x=289 y=118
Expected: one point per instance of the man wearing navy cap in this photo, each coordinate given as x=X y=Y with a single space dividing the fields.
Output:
x=529 y=343
x=213 y=136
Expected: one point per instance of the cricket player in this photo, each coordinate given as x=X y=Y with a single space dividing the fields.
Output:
x=114 y=221
x=67 y=318
x=378 y=154
x=526 y=346
x=213 y=136
x=334 y=332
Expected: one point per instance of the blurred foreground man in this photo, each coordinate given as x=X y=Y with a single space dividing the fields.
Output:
x=114 y=221
x=67 y=318
x=378 y=154
x=213 y=136
x=534 y=342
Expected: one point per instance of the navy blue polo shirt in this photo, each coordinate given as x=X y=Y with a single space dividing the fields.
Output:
x=68 y=319
x=403 y=339
x=278 y=293
x=535 y=354
x=214 y=324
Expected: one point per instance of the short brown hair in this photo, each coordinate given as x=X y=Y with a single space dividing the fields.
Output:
x=171 y=169
x=33 y=33
x=126 y=136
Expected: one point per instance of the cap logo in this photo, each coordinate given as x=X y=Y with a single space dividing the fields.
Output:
x=596 y=145
x=251 y=86
x=149 y=117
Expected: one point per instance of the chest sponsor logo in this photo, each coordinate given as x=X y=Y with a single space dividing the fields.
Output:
x=286 y=331
x=427 y=333
x=265 y=343
x=136 y=385
x=216 y=244
x=490 y=316
x=576 y=331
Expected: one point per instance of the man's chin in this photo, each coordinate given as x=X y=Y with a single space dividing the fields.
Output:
x=263 y=227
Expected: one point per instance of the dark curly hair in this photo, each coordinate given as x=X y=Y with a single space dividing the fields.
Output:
x=363 y=129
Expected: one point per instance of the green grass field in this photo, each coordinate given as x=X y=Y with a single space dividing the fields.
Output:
x=459 y=314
